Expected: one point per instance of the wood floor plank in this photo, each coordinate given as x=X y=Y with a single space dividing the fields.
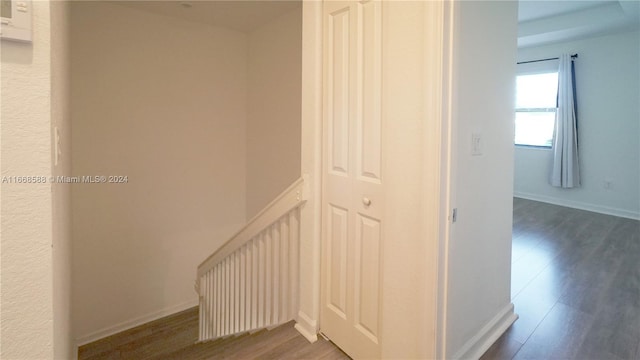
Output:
x=265 y=348
x=531 y=307
x=321 y=349
x=280 y=350
x=175 y=337
x=111 y=347
x=204 y=350
x=172 y=339
x=533 y=251
x=535 y=301
x=603 y=342
x=559 y=335
x=588 y=286
x=332 y=353
x=255 y=345
x=504 y=348
x=584 y=303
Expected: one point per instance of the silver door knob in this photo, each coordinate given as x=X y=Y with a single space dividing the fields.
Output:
x=366 y=201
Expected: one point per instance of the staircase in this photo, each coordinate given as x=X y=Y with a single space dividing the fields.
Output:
x=251 y=282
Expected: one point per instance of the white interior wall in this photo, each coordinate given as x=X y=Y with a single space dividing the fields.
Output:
x=26 y=281
x=478 y=306
x=162 y=101
x=63 y=345
x=274 y=109
x=608 y=91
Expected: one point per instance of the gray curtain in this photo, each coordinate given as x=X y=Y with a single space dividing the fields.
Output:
x=565 y=171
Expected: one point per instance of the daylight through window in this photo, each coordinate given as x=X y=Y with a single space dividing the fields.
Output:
x=536 y=109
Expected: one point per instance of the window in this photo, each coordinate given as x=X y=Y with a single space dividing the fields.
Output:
x=536 y=109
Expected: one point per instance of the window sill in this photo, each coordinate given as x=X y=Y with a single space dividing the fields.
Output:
x=533 y=147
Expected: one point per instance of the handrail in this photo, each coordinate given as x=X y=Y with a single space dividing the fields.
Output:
x=295 y=195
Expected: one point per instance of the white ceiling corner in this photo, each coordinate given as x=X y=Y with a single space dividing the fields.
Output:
x=543 y=22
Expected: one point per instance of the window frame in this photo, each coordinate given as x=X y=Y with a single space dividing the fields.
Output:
x=537 y=68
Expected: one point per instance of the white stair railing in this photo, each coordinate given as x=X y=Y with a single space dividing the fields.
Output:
x=251 y=282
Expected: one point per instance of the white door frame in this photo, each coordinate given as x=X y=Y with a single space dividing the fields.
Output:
x=436 y=168
x=307 y=322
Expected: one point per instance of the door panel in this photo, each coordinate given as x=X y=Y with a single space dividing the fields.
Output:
x=367 y=277
x=337 y=248
x=338 y=88
x=369 y=161
x=352 y=177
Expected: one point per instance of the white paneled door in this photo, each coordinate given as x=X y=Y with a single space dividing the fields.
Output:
x=353 y=186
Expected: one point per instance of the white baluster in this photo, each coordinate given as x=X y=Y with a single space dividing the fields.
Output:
x=261 y=280
x=211 y=295
x=225 y=293
x=206 y=305
x=243 y=290
x=218 y=296
x=230 y=295
x=275 y=256
x=294 y=232
x=203 y=302
x=236 y=303
x=229 y=314
x=249 y=283
x=284 y=270
x=255 y=279
x=223 y=298
x=268 y=276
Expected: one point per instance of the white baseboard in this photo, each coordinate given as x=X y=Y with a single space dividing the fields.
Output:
x=579 y=205
x=482 y=341
x=307 y=327
x=129 y=324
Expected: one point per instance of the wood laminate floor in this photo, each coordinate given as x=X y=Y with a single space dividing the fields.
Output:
x=174 y=337
x=575 y=285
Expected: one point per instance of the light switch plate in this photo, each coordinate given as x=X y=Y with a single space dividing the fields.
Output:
x=16 y=20
x=476 y=144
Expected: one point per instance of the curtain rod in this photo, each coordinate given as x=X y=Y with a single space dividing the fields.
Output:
x=574 y=56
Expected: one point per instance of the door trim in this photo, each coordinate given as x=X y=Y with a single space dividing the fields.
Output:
x=307 y=321
x=444 y=111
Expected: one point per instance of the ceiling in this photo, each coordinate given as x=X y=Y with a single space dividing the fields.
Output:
x=532 y=10
x=243 y=16
x=539 y=21
x=543 y=22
